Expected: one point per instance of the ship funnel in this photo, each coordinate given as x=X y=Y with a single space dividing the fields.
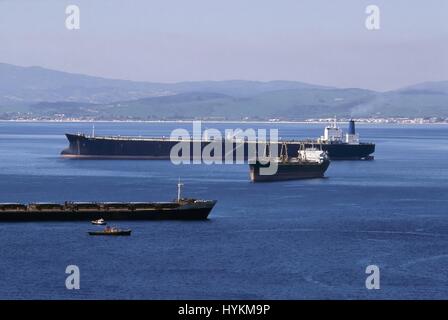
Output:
x=351 y=127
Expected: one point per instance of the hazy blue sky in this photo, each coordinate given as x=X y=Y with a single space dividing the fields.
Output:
x=316 y=41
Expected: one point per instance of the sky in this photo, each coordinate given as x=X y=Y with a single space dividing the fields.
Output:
x=315 y=41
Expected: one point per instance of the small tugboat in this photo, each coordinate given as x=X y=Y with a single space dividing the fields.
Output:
x=111 y=231
x=99 y=222
x=311 y=162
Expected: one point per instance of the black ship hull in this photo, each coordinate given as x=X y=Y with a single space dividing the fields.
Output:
x=94 y=211
x=289 y=171
x=84 y=147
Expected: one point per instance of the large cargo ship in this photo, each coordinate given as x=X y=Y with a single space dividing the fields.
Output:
x=82 y=146
x=180 y=209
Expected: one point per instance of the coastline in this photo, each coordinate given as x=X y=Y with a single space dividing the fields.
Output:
x=358 y=121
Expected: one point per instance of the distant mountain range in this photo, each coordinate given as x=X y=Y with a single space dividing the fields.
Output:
x=35 y=92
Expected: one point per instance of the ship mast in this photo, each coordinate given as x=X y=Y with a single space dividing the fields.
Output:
x=179 y=187
x=284 y=152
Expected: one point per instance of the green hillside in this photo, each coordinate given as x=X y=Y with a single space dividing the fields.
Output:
x=34 y=92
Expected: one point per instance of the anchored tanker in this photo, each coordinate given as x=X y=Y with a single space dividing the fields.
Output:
x=82 y=146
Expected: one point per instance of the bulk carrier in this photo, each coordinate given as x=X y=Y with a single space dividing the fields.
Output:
x=179 y=209
x=337 y=146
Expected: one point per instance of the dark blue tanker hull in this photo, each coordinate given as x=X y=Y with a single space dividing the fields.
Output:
x=84 y=147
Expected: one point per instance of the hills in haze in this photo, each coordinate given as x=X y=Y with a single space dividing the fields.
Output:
x=35 y=92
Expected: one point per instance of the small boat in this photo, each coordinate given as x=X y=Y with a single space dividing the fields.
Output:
x=99 y=222
x=111 y=231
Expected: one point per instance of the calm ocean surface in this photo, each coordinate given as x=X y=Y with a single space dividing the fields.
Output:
x=284 y=240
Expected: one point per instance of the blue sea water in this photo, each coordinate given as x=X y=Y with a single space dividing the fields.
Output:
x=286 y=240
